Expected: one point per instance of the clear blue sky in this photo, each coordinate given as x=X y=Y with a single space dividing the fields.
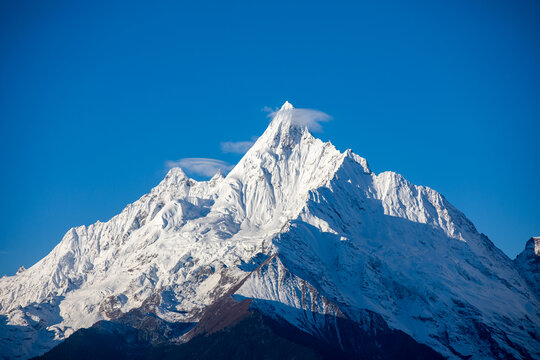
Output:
x=95 y=97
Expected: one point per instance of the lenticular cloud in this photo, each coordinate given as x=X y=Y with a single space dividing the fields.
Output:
x=201 y=166
x=310 y=118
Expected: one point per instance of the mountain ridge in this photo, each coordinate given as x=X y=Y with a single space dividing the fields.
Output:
x=335 y=233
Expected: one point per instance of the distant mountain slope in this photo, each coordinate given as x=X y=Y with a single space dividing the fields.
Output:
x=299 y=233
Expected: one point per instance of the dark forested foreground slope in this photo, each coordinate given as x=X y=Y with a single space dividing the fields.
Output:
x=253 y=336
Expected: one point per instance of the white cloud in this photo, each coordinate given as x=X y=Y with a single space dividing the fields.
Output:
x=310 y=118
x=305 y=117
x=237 y=147
x=201 y=166
x=269 y=110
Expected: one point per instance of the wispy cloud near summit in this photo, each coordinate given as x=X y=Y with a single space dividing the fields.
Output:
x=201 y=166
x=310 y=118
x=304 y=117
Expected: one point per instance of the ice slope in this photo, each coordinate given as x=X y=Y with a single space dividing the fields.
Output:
x=358 y=241
x=379 y=243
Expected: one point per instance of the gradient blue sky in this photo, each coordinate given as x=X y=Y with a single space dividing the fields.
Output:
x=96 y=96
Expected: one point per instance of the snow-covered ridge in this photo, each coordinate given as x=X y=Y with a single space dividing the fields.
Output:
x=346 y=239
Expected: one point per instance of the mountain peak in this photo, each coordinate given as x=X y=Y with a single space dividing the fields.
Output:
x=528 y=263
x=533 y=245
x=176 y=174
x=217 y=176
x=287 y=106
x=283 y=131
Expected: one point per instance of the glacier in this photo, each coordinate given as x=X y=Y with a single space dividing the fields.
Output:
x=299 y=228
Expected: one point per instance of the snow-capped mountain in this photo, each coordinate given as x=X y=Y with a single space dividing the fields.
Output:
x=305 y=234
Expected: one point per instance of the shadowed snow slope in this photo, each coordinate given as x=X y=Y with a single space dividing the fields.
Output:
x=296 y=224
x=528 y=262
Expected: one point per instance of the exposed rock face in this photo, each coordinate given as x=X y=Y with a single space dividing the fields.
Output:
x=299 y=232
x=230 y=328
